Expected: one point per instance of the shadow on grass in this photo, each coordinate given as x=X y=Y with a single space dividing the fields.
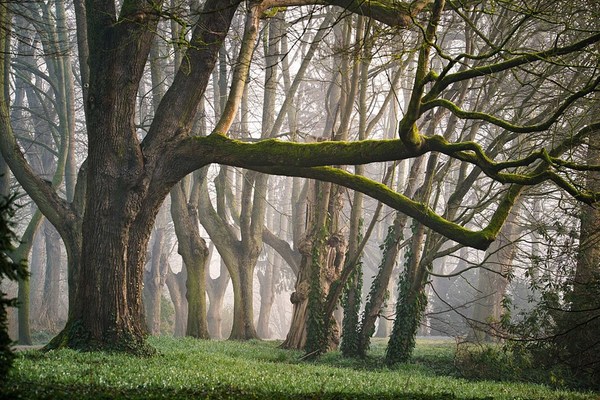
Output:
x=34 y=390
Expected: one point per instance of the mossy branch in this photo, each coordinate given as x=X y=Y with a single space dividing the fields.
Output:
x=408 y=130
x=195 y=152
x=477 y=239
x=308 y=159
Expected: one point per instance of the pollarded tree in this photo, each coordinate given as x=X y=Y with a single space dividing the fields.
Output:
x=43 y=115
x=122 y=184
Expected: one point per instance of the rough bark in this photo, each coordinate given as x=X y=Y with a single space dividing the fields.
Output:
x=123 y=191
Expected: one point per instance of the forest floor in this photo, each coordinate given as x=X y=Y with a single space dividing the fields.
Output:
x=193 y=369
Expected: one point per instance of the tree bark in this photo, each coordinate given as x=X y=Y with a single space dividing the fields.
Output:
x=194 y=252
x=216 y=294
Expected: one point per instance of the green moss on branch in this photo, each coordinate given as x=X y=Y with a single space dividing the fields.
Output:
x=422 y=213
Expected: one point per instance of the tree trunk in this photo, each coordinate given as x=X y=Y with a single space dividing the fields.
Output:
x=216 y=294
x=384 y=326
x=296 y=337
x=391 y=250
x=194 y=252
x=154 y=280
x=243 y=313
x=197 y=325
x=23 y=313
x=492 y=283
x=267 y=281
x=176 y=284
x=50 y=311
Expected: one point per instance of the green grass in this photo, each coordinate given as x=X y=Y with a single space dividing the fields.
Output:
x=188 y=368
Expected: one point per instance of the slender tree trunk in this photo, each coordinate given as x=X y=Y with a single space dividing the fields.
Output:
x=391 y=250
x=267 y=280
x=154 y=276
x=176 y=285
x=216 y=294
x=195 y=255
x=50 y=312
x=492 y=283
x=384 y=326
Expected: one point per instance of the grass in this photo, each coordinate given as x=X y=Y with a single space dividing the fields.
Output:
x=188 y=368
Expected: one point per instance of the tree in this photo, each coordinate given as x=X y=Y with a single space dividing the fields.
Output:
x=106 y=226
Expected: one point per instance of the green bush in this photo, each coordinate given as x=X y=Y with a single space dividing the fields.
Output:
x=510 y=362
x=12 y=271
x=490 y=361
x=560 y=334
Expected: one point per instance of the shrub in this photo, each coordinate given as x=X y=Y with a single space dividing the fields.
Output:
x=12 y=271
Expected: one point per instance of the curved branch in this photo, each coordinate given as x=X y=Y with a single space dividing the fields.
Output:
x=456 y=110
x=421 y=212
x=392 y=13
x=473 y=153
x=52 y=206
x=283 y=248
x=484 y=70
x=179 y=105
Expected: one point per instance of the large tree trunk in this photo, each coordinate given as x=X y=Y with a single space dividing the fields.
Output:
x=197 y=325
x=126 y=181
x=323 y=255
x=296 y=337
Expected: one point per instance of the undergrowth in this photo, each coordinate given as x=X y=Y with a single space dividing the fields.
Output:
x=189 y=368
